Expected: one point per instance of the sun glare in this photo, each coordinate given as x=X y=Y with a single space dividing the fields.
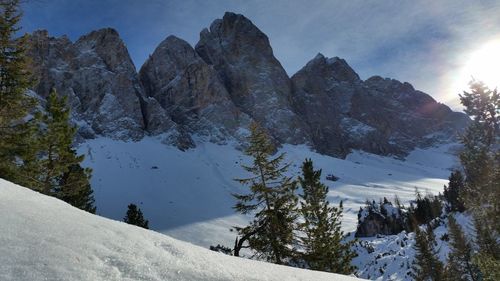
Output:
x=482 y=64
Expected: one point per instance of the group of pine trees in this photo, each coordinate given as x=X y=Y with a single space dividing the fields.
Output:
x=283 y=231
x=134 y=216
x=478 y=192
x=36 y=140
x=460 y=264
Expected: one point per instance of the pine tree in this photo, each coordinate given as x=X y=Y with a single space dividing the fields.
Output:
x=134 y=216
x=427 y=265
x=15 y=103
x=272 y=201
x=483 y=106
x=454 y=192
x=322 y=239
x=75 y=189
x=488 y=256
x=424 y=209
x=460 y=265
x=56 y=169
x=54 y=146
x=480 y=157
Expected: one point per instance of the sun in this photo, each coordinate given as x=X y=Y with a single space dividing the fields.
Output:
x=482 y=64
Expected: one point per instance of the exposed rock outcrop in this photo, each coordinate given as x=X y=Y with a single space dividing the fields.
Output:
x=381 y=116
x=97 y=75
x=255 y=80
x=190 y=92
x=381 y=218
x=322 y=93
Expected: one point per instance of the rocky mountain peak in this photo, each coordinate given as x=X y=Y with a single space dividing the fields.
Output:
x=238 y=32
x=335 y=68
x=228 y=80
x=97 y=75
x=173 y=55
x=379 y=115
x=108 y=45
x=255 y=80
x=189 y=91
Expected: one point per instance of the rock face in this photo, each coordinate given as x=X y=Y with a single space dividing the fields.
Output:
x=255 y=80
x=189 y=91
x=323 y=90
x=214 y=91
x=381 y=116
x=381 y=218
x=99 y=78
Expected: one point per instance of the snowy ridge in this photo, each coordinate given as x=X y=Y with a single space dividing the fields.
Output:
x=44 y=238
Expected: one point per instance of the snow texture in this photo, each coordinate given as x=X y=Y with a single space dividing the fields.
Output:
x=44 y=238
x=391 y=257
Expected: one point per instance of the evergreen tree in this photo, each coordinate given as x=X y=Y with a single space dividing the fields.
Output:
x=272 y=201
x=74 y=188
x=424 y=209
x=55 y=152
x=56 y=169
x=15 y=103
x=427 y=265
x=322 y=239
x=483 y=106
x=453 y=193
x=488 y=257
x=480 y=159
x=460 y=266
x=134 y=216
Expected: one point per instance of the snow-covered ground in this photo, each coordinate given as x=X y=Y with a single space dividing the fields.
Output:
x=43 y=238
x=187 y=195
x=391 y=257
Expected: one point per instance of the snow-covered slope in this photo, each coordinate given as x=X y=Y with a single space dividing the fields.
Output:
x=43 y=238
x=391 y=257
x=188 y=194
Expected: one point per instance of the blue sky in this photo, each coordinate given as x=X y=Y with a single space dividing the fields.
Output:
x=426 y=43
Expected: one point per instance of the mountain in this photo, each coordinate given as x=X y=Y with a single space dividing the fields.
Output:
x=381 y=116
x=254 y=78
x=189 y=91
x=97 y=75
x=47 y=239
x=212 y=92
